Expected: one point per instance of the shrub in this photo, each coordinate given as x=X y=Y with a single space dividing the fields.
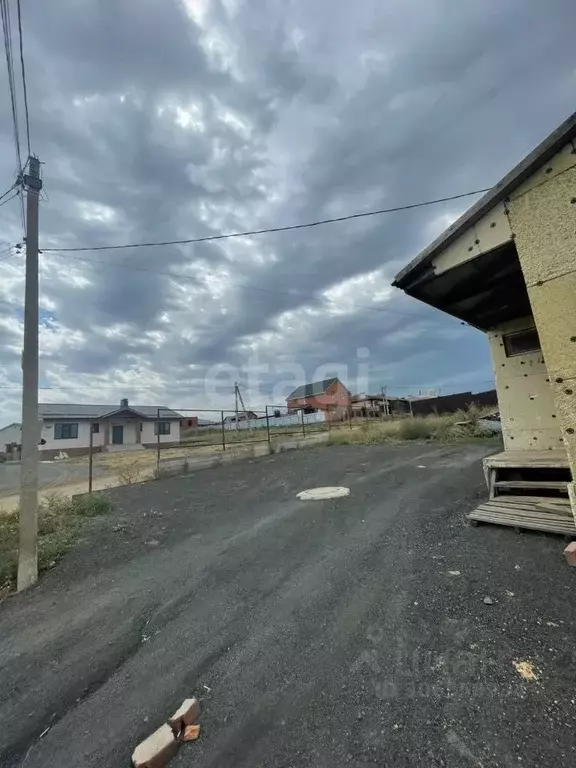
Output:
x=415 y=429
x=59 y=520
x=129 y=473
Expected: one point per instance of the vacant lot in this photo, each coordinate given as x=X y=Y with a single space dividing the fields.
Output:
x=70 y=476
x=348 y=632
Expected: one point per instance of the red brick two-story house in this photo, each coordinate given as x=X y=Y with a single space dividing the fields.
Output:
x=328 y=395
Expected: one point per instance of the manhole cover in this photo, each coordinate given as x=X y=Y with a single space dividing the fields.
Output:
x=328 y=492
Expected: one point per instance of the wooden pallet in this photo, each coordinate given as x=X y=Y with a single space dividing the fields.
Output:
x=532 y=512
x=557 y=458
x=548 y=485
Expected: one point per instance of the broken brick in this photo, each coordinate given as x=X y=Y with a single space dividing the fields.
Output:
x=191 y=732
x=186 y=714
x=570 y=553
x=156 y=750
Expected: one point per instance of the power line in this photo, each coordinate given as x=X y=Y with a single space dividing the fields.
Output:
x=6 y=254
x=288 y=228
x=9 y=190
x=10 y=198
x=134 y=387
x=180 y=276
x=6 y=26
x=23 y=77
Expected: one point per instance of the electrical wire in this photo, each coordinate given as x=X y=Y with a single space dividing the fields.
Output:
x=6 y=27
x=10 y=198
x=97 y=385
x=180 y=276
x=288 y=228
x=9 y=190
x=23 y=78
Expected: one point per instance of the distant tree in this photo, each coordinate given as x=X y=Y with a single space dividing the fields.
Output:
x=277 y=413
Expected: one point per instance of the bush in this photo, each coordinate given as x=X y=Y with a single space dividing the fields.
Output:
x=59 y=521
x=460 y=426
x=129 y=473
x=415 y=429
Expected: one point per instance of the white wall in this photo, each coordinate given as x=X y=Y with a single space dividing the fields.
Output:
x=287 y=420
x=10 y=434
x=148 y=435
x=84 y=426
x=82 y=441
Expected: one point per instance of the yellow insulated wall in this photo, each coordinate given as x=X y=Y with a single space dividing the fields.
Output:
x=527 y=410
x=542 y=215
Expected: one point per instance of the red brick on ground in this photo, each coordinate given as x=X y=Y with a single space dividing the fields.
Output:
x=186 y=714
x=570 y=553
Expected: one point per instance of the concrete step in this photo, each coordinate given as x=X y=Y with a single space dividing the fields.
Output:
x=124 y=447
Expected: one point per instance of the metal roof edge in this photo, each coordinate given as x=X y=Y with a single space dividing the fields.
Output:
x=522 y=171
x=331 y=381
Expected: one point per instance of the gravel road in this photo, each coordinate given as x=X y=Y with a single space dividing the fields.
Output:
x=50 y=473
x=350 y=632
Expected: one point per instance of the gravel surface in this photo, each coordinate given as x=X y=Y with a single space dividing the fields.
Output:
x=351 y=631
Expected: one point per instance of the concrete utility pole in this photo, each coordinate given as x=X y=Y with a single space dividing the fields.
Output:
x=236 y=403
x=28 y=546
x=385 y=399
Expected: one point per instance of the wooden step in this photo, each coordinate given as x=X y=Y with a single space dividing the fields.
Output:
x=537 y=513
x=552 y=485
x=555 y=459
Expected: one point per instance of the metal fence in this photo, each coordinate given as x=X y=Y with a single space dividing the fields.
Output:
x=183 y=435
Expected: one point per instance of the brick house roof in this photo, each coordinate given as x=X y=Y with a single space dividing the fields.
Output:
x=310 y=390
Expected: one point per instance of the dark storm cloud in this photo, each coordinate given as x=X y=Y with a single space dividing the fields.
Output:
x=157 y=124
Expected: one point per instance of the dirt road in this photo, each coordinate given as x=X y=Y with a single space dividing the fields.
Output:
x=334 y=633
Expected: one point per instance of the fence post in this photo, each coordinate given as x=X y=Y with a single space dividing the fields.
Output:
x=349 y=409
x=303 y=425
x=223 y=431
x=90 y=458
x=329 y=419
x=267 y=425
x=158 y=443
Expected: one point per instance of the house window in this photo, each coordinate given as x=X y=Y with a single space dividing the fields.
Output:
x=162 y=428
x=521 y=342
x=65 y=431
x=95 y=428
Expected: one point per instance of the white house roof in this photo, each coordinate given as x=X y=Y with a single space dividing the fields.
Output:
x=9 y=426
x=72 y=411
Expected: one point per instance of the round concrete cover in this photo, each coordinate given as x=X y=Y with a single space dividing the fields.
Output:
x=328 y=492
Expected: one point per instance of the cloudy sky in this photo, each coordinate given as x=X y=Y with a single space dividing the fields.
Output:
x=169 y=119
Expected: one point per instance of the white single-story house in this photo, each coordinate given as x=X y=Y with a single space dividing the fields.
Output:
x=10 y=441
x=67 y=428
x=10 y=434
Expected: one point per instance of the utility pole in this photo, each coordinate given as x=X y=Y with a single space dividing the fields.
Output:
x=28 y=518
x=385 y=398
x=240 y=399
x=236 y=403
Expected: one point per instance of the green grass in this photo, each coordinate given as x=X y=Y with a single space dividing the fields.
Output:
x=59 y=523
x=460 y=426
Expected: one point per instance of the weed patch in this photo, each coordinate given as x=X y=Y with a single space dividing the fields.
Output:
x=59 y=522
x=460 y=426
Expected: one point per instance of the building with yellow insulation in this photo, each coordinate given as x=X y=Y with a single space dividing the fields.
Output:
x=508 y=267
